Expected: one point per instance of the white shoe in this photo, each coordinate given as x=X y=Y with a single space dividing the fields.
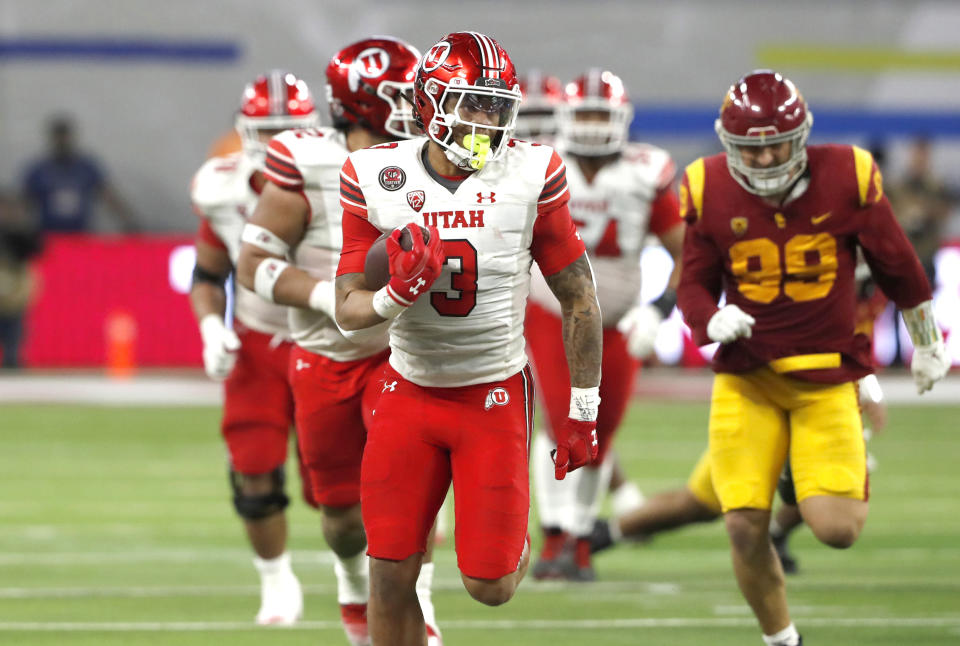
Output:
x=281 y=600
x=433 y=636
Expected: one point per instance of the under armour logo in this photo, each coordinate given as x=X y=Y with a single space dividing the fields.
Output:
x=392 y=386
x=301 y=364
x=481 y=198
x=416 y=288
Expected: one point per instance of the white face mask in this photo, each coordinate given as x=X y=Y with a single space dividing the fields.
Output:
x=249 y=129
x=594 y=137
x=771 y=180
x=478 y=120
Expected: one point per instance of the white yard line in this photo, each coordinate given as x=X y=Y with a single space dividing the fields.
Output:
x=507 y=624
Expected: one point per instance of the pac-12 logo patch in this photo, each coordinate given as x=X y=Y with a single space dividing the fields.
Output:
x=416 y=199
x=392 y=178
x=496 y=397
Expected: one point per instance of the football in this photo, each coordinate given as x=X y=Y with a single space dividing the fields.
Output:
x=376 y=265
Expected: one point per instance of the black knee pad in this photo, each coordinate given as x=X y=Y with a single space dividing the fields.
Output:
x=788 y=493
x=262 y=505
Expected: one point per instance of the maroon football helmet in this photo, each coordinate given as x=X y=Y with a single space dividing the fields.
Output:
x=542 y=95
x=594 y=118
x=370 y=83
x=467 y=72
x=274 y=101
x=762 y=109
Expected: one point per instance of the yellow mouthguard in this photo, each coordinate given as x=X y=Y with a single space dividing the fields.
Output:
x=479 y=144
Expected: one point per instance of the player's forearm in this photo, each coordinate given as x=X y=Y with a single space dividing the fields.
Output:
x=583 y=343
x=354 y=309
x=207 y=298
x=698 y=306
x=893 y=262
x=582 y=322
x=276 y=280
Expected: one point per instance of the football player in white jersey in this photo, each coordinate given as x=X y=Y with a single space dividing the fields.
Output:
x=290 y=257
x=620 y=193
x=457 y=396
x=251 y=358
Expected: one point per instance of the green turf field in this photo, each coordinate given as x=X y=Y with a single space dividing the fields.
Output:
x=115 y=528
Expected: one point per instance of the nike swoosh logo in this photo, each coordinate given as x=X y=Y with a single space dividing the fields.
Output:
x=817 y=219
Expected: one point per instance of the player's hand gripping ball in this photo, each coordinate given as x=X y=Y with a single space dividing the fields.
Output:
x=376 y=266
x=412 y=267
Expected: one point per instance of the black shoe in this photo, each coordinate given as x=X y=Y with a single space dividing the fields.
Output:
x=787 y=560
x=600 y=538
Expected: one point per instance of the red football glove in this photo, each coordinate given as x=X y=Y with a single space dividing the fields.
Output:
x=577 y=446
x=413 y=272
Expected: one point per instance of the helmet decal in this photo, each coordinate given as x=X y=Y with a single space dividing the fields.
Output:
x=369 y=83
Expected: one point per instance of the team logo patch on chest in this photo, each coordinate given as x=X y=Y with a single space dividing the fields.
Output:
x=392 y=178
x=738 y=225
x=496 y=397
x=416 y=199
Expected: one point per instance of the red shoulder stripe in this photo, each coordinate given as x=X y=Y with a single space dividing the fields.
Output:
x=281 y=167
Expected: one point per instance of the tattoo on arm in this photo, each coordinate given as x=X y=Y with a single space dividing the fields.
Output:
x=582 y=325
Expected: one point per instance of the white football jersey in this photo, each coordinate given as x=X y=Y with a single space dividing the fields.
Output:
x=309 y=160
x=223 y=196
x=469 y=328
x=612 y=215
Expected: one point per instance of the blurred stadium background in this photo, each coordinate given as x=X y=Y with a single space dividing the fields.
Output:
x=114 y=526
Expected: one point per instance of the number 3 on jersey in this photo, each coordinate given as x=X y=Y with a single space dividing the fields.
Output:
x=461 y=257
x=808 y=273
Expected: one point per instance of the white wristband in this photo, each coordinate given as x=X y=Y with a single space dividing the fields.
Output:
x=264 y=239
x=266 y=276
x=323 y=297
x=385 y=305
x=584 y=404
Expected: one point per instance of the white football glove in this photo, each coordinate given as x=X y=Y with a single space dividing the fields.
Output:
x=729 y=324
x=640 y=325
x=220 y=346
x=929 y=365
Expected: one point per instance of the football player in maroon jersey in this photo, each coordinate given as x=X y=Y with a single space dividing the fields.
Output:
x=774 y=226
x=251 y=356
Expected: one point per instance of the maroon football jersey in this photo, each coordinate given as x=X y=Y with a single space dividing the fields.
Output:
x=792 y=267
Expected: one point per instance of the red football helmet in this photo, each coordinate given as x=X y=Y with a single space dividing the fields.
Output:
x=542 y=95
x=762 y=109
x=466 y=74
x=274 y=101
x=370 y=83
x=595 y=116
